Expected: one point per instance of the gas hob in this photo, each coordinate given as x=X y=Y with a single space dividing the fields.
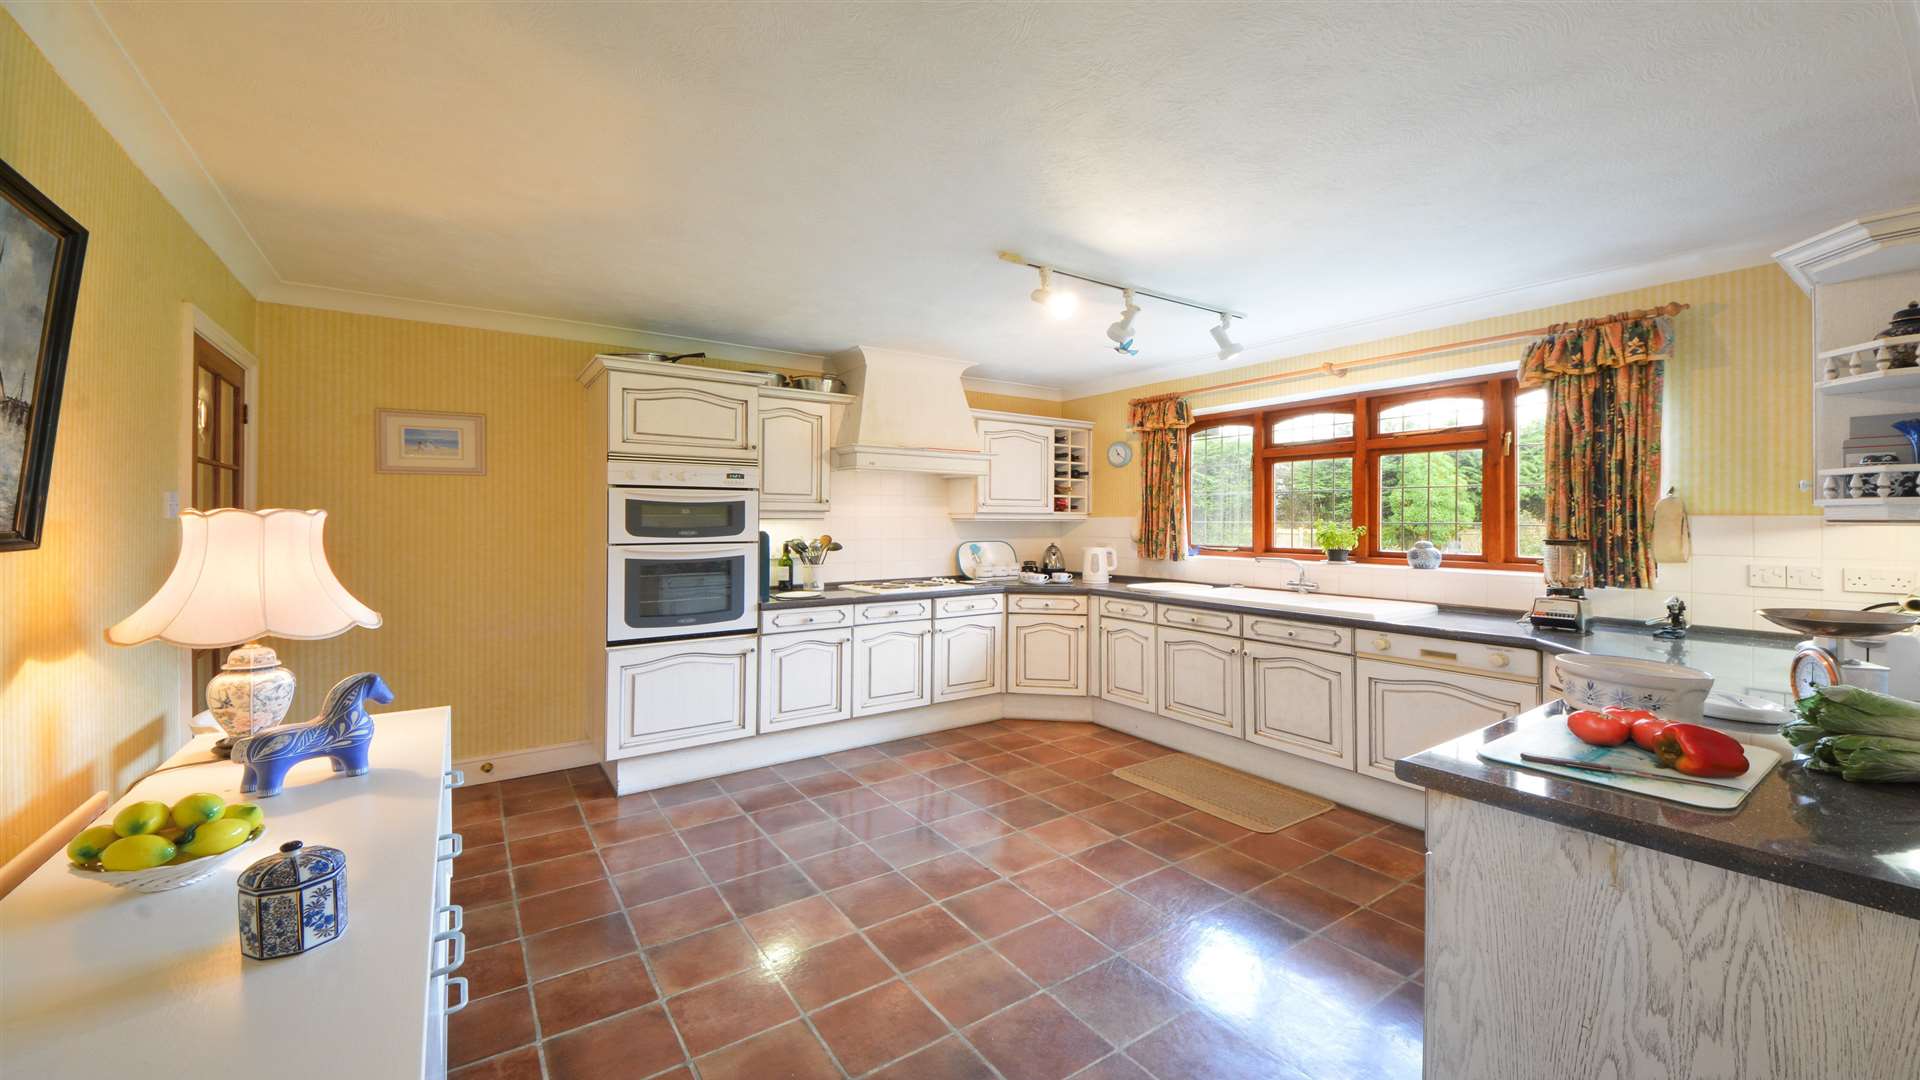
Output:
x=908 y=585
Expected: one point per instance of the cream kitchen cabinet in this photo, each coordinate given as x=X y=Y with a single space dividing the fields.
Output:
x=968 y=656
x=794 y=439
x=681 y=693
x=805 y=678
x=708 y=418
x=1125 y=663
x=1019 y=468
x=1300 y=701
x=1406 y=708
x=1047 y=654
x=892 y=667
x=1199 y=676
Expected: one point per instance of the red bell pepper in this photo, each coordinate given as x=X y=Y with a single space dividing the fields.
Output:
x=1597 y=728
x=1700 y=751
x=1647 y=730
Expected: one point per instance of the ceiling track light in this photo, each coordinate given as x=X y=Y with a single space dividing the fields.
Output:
x=1121 y=333
x=1061 y=303
x=1228 y=347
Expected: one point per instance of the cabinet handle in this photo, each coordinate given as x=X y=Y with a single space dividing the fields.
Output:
x=1499 y=659
x=456 y=778
x=461 y=982
x=1382 y=644
x=1439 y=654
x=458 y=847
x=459 y=955
x=456 y=916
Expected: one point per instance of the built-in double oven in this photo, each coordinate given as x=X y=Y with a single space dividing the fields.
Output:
x=683 y=549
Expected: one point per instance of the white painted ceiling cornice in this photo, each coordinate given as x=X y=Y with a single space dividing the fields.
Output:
x=783 y=181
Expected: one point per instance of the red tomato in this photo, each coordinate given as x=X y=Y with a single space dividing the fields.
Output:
x=1647 y=731
x=1598 y=728
x=1630 y=715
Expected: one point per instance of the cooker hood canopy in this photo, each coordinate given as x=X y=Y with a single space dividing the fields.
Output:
x=911 y=414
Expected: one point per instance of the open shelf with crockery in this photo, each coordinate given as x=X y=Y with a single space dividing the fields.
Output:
x=1866 y=358
x=1901 y=383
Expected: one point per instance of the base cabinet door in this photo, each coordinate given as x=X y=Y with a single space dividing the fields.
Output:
x=1300 y=701
x=794 y=439
x=663 y=416
x=892 y=667
x=1126 y=664
x=805 y=679
x=680 y=693
x=1405 y=709
x=1200 y=679
x=968 y=657
x=1047 y=654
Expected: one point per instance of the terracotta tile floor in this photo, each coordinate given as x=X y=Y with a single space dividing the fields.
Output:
x=986 y=902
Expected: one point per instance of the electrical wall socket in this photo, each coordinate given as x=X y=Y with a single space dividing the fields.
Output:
x=1876 y=579
x=1766 y=576
x=1806 y=577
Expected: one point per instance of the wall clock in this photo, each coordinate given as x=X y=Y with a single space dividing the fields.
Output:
x=1119 y=454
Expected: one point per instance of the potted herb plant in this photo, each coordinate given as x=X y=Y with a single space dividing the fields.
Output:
x=1338 y=539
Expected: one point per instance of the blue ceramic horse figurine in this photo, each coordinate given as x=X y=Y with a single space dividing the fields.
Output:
x=342 y=731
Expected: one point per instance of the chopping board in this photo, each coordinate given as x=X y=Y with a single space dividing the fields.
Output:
x=1551 y=737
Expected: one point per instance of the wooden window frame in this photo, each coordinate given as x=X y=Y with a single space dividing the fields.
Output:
x=1499 y=529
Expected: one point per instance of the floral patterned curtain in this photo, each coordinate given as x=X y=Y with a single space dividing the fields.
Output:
x=1604 y=381
x=1162 y=423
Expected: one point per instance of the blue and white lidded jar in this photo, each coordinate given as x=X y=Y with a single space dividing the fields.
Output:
x=293 y=901
x=1423 y=555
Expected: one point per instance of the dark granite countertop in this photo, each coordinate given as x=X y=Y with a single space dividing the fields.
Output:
x=1730 y=654
x=1854 y=842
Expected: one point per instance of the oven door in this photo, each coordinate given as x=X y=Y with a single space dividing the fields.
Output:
x=637 y=515
x=661 y=590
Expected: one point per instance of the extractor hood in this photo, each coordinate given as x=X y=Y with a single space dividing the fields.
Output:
x=911 y=414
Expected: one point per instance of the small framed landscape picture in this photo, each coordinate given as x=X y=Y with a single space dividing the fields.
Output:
x=444 y=444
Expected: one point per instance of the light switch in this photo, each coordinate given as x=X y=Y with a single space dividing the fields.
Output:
x=170 y=504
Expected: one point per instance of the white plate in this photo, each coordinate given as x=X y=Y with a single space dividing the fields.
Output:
x=1746 y=709
x=986 y=559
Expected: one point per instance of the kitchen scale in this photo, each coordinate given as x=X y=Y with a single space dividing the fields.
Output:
x=1565 y=605
x=1828 y=659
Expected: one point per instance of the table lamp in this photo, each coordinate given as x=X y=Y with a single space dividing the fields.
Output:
x=243 y=575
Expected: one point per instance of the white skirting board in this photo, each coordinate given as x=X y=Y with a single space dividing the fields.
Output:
x=518 y=763
x=1391 y=801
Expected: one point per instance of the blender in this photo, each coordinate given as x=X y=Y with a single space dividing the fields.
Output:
x=1565 y=605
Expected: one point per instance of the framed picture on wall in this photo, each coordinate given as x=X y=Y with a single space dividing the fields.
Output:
x=41 y=250
x=437 y=443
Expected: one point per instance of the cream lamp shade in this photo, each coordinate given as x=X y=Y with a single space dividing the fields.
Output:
x=242 y=575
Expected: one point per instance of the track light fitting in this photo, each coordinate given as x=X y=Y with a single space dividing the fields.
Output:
x=1060 y=303
x=1121 y=333
x=1228 y=347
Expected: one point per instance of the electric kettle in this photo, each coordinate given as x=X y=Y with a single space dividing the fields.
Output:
x=1098 y=563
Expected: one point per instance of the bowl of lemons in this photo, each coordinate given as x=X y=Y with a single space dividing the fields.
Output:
x=152 y=847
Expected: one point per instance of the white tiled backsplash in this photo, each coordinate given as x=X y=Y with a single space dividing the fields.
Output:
x=897 y=525
x=1715 y=584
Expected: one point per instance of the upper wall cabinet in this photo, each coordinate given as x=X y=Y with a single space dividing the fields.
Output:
x=677 y=413
x=1038 y=468
x=796 y=437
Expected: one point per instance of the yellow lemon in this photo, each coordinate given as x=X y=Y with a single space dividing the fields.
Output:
x=247 y=812
x=88 y=845
x=136 y=853
x=217 y=836
x=141 y=817
x=197 y=808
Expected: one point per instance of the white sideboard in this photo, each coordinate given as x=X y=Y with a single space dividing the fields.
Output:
x=97 y=981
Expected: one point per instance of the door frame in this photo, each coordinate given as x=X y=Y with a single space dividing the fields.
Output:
x=197 y=323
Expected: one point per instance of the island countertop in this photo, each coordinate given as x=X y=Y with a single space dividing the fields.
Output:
x=1854 y=842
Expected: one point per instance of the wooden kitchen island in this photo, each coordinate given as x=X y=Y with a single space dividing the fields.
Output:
x=1579 y=931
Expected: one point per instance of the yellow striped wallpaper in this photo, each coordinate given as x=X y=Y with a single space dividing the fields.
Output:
x=77 y=714
x=1739 y=389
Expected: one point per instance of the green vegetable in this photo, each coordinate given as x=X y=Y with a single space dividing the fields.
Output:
x=1847 y=743
x=1880 y=767
x=1802 y=734
x=1838 y=716
x=1867 y=701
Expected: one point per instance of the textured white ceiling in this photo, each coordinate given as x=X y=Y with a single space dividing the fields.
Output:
x=809 y=177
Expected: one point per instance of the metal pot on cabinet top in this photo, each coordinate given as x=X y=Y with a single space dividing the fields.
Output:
x=293 y=900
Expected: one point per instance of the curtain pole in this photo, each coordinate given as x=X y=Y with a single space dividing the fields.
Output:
x=1342 y=367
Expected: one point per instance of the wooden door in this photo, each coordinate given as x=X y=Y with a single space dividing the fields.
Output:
x=680 y=694
x=805 y=679
x=1200 y=680
x=793 y=456
x=218 y=421
x=892 y=667
x=661 y=416
x=1405 y=709
x=1127 y=664
x=967 y=657
x=1019 y=468
x=1047 y=654
x=1300 y=701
